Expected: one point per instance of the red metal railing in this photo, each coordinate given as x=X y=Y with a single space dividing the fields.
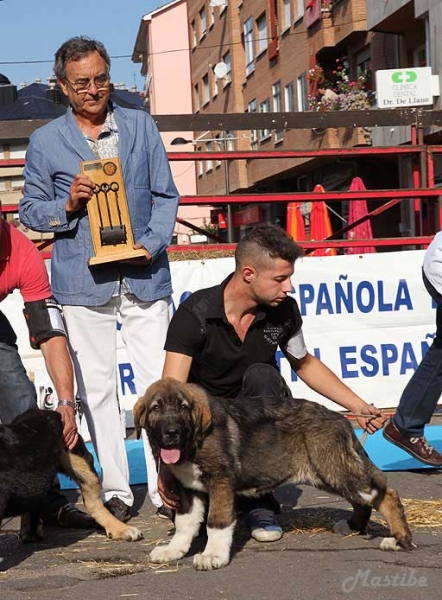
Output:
x=423 y=188
x=422 y=175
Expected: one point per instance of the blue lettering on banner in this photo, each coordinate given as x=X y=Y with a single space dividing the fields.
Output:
x=366 y=361
x=369 y=361
x=324 y=302
x=389 y=355
x=368 y=356
x=306 y=296
x=365 y=301
x=279 y=356
x=183 y=297
x=343 y=298
x=127 y=378
x=347 y=360
x=403 y=297
x=347 y=297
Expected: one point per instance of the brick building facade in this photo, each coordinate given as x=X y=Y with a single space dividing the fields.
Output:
x=269 y=48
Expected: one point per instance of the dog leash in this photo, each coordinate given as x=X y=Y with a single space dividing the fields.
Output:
x=364 y=435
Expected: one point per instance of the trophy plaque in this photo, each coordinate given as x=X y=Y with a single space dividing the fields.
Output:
x=108 y=212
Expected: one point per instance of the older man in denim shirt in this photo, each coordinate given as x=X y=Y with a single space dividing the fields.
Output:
x=135 y=293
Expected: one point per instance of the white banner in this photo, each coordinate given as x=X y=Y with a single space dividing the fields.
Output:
x=369 y=318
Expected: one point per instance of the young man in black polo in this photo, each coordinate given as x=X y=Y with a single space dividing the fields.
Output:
x=225 y=338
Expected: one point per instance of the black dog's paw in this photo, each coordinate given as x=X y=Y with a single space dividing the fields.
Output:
x=31 y=529
x=31 y=537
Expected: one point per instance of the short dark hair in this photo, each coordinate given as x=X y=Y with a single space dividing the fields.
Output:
x=74 y=49
x=267 y=241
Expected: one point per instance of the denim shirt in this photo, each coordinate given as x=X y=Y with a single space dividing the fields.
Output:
x=53 y=159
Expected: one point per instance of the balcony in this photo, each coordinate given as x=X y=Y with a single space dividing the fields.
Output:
x=322 y=34
x=332 y=89
x=330 y=22
x=389 y=16
x=349 y=18
x=321 y=139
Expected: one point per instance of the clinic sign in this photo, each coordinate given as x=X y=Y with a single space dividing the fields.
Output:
x=405 y=87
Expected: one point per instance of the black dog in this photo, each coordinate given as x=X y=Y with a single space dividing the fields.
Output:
x=31 y=454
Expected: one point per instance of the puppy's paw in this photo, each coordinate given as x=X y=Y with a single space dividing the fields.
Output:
x=342 y=527
x=165 y=554
x=390 y=543
x=130 y=534
x=207 y=562
x=124 y=533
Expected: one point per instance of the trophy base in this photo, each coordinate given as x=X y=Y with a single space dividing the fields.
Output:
x=117 y=256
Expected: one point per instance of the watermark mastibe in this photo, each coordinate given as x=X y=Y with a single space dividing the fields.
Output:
x=366 y=578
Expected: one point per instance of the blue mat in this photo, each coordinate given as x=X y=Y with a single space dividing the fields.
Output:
x=137 y=465
x=385 y=456
x=388 y=457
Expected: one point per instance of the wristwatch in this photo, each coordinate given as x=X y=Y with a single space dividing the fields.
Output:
x=70 y=403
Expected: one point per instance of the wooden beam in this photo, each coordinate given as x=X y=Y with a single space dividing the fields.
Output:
x=10 y=171
x=21 y=130
x=299 y=120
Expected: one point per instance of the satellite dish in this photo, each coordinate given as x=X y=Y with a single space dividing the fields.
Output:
x=218 y=2
x=220 y=70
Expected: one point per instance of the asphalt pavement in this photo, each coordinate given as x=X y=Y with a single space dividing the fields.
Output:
x=309 y=562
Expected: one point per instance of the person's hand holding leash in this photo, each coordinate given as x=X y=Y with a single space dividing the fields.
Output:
x=166 y=488
x=374 y=421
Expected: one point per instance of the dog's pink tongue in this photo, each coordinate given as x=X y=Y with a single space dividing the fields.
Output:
x=170 y=456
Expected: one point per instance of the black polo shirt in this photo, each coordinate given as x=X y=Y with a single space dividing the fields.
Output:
x=200 y=329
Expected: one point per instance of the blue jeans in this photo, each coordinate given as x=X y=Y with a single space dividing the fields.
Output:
x=261 y=379
x=17 y=392
x=420 y=396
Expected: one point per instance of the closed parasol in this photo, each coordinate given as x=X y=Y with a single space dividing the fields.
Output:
x=295 y=221
x=320 y=225
x=358 y=210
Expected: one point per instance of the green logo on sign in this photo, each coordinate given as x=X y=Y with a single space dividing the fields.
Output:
x=404 y=76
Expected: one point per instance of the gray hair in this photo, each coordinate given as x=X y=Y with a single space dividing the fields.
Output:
x=74 y=49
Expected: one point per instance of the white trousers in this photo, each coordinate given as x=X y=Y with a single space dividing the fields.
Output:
x=92 y=333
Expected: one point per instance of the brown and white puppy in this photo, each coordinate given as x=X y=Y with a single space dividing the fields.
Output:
x=218 y=448
x=31 y=454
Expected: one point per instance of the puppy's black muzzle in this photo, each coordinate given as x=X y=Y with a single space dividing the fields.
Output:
x=171 y=431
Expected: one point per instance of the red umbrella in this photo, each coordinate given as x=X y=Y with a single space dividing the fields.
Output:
x=357 y=210
x=295 y=221
x=320 y=226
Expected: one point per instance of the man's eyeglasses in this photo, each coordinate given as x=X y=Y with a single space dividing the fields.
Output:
x=82 y=86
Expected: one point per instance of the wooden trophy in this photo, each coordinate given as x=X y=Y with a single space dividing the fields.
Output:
x=108 y=212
